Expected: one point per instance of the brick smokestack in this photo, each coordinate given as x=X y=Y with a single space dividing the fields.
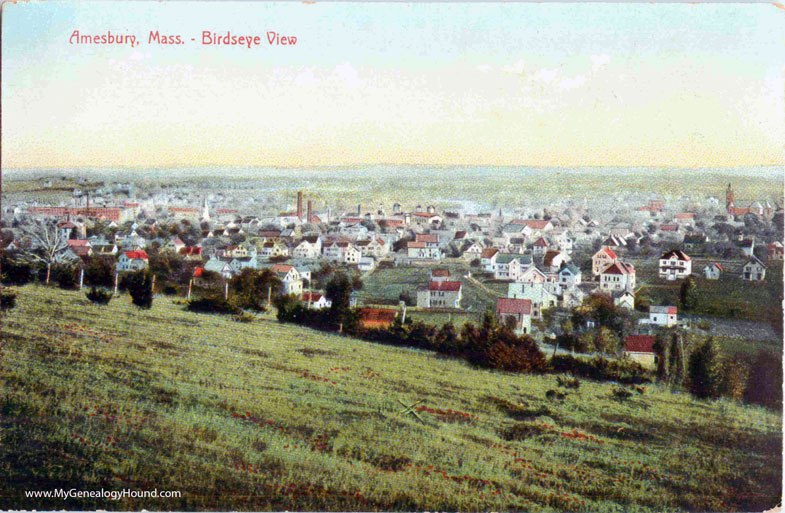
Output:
x=310 y=212
x=300 y=204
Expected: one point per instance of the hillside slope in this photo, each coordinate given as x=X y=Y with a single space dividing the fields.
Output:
x=264 y=416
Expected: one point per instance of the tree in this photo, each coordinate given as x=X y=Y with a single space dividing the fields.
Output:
x=688 y=294
x=662 y=351
x=339 y=290
x=252 y=287
x=99 y=273
x=49 y=246
x=140 y=286
x=735 y=373
x=704 y=371
x=676 y=360
x=765 y=383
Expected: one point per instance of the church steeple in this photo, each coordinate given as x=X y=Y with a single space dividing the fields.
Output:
x=729 y=200
x=205 y=211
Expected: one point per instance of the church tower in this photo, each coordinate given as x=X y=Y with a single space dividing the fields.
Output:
x=729 y=201
x=205 y=211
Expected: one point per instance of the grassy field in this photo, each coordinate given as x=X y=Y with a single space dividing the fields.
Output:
x=263 y=416
x=384 y=286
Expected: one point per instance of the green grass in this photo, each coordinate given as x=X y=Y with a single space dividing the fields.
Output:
x=263 y=416
x=384 y=286
x=729 y=297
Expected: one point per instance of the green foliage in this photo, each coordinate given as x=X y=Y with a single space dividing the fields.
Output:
x=688 y=295
x=600 y=369
x=140 y=286
x=704 y=371
x=662 y=350
x=217 y=305
x=765 y=383
x=99 y=296
x=65 y=276
x=99 y=273
x=15 y=272
x=250 y=288
x=676 y=360
x=7 y=300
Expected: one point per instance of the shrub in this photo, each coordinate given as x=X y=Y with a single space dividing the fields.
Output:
x=140 y=286
x=7 y=300
x=600 y=369
x=217 y=305
x=64 y=275
x=15 y=273
x=99 y=296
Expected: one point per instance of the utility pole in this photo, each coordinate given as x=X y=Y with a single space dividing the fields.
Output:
x=226 y=291
x=81 y=278
x=152 y=285
x=190 y=284
x=116 y=280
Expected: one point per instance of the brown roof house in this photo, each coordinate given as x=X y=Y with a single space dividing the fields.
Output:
x=520 y=310
x=640 y=348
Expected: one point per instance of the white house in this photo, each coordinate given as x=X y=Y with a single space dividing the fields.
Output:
x=539 y=294
x=569 y=276
x=675 y=265
x=712 y=271
x=292 y=282
x=520 y=310
x=132 y=261
x=440 y=294
x=618 y=276
x=753 y=270
x=663 y=315
x=316 y=300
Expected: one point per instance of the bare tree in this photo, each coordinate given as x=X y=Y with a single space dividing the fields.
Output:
x=48 y=245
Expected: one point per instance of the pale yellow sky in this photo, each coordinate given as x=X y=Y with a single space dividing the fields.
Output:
x=518 y=84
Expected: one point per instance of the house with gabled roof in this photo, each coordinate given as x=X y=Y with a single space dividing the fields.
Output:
x=540 y=246
x=308 y=248
x=131 y=261
x=602 y=259
x=569 y=276
x=753 y=270
x=316 y=300
x=666 y=316
x=540 y=295
x=488 y=258
x=618 y=276
x=640 y=348
x=440 y=294
x=510 y=266
x=674 y=265
x=291 y=279
x=553 y=260
x=220 y=267
x=173 y=246
x=712 y=271
x=517 y=310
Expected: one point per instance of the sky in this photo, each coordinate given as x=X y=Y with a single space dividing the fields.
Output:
x=677 y=85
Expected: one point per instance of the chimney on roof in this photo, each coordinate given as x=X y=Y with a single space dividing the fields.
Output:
x=300 y=204
x=310 y=212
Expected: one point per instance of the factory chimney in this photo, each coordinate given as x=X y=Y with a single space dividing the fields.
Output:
x=310 y=212
x=300 y=204
x=359 y=210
